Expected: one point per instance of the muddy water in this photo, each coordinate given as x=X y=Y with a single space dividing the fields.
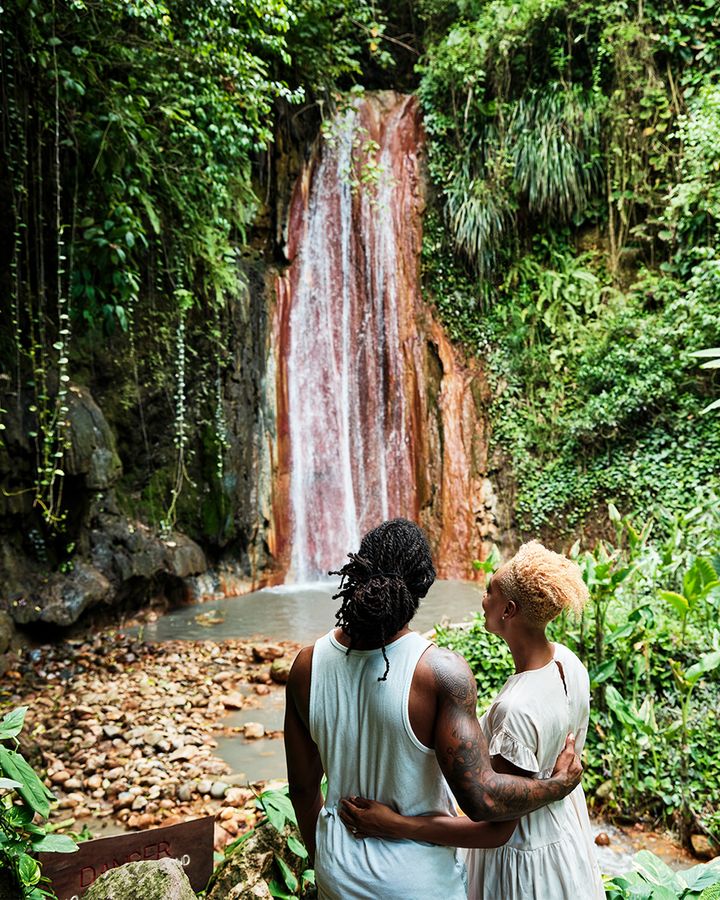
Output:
x=298 y=613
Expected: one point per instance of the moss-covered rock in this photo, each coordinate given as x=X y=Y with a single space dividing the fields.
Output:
x=247 y=871
x=152 y=880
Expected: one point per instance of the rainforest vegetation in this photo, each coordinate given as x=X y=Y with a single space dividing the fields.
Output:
x=571 y=242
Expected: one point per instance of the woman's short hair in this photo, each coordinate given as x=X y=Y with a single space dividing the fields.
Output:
x=542 y=583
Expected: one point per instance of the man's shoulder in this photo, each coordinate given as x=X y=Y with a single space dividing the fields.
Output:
x=302 y=665
x=447 y=672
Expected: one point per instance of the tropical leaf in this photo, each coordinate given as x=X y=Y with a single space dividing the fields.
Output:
x=677 y=601
x=297 y=847
x=12 y=722
x=55 y=843
x=31 y=789
x=708 y=663
x=289 y=877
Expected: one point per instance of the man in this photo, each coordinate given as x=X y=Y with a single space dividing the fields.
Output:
x=386 y=714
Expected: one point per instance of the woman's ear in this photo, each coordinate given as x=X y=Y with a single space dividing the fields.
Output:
x=511 y=610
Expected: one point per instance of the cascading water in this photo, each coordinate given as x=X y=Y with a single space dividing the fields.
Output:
x=351 y=463
x=374 y=412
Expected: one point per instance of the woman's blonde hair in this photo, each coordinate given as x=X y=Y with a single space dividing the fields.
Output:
x=542 y=583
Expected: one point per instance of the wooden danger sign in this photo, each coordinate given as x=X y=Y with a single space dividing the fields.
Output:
x=191 y=843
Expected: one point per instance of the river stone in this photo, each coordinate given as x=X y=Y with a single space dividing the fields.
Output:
x=703 y=847
x=150 y=880
x=254 y=730
x=267 y=652
x=280 y=670
x=218 y=790
x=185 y=792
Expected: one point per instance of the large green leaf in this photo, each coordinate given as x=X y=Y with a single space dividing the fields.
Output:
x=278 y=890
x=677 y=601
x=28 y=870
x=289 y=877
x=297 y=847
x=11 y=723
x=55 y=843
x=657 y=872
x=707 y=663
x=32 y=790
x=278 y=808
x=602 y=672
x=700 y=877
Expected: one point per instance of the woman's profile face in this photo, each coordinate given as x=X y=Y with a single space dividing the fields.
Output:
x=493 y=605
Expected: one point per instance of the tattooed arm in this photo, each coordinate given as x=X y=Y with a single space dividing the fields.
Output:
x=462 y=752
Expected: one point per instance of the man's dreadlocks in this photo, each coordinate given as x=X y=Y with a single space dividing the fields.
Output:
x=383 y=583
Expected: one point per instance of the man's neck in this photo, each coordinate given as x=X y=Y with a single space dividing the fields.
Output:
x=344 y=639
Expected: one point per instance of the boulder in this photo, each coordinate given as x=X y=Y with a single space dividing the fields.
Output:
x=247 y=871
x=66 y=596
x=703 y=847
x=152 y=880
x=92 y=450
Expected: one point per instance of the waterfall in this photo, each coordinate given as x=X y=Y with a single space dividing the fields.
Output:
x=374 y=413
x=351 y=462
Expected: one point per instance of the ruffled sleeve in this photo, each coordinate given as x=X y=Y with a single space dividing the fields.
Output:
x=514 y=751
x=514 y=736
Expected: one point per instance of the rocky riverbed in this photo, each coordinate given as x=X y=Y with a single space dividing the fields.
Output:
x=126 y=730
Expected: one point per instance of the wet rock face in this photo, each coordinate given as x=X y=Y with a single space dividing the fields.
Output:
x=92 y=452
x=161 y=880
x=115 y=560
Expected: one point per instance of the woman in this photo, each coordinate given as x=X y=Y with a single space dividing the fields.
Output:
x=549 y=853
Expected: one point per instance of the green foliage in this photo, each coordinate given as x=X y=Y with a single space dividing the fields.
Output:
x=291 y=877
x=24 y=798
x=131 y=138
x=655 y=880
x=653 y=664
x=574 y=151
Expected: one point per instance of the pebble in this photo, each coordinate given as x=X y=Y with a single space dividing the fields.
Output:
x=218 y=790
x=280 y=670
x=254 y=730
x=267 y=652
x=185 y=792
x=134 y=742
x=233 y=701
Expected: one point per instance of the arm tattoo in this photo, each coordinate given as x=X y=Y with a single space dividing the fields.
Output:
x=463 y=756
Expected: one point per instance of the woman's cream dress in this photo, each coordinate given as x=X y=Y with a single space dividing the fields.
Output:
x=550 y=856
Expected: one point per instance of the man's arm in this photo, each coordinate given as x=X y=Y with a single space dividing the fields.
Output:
x=462 y=752
x=303 y=759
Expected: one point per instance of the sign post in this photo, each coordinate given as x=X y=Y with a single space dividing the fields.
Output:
x=191 y=843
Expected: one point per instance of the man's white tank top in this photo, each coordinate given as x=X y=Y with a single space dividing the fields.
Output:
x=362 y=729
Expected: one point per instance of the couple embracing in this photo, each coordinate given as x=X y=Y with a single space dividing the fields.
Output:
x=390 y=719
